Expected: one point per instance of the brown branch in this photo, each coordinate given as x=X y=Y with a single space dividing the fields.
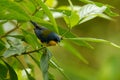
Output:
x=26 y=52
x=32 y=51
x=17 y=26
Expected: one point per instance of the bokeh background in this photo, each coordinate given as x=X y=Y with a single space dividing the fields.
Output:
x=104 y=60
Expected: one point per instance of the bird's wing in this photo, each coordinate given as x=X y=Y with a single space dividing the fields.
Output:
x=46 y=32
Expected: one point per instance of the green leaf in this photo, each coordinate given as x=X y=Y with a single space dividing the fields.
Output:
x=3 y=71
x=51 y=3
x=83 y=43
x=110 y=13
x=44 y=63
x=16 y=47
x=17 y=36
x=74 y=51
x=94 y=40
x=31 y=39
x=105 y=16
x=9 y=10
x=49 y=14
x=79 y=43
x=14 y=51
x=28 y=5
x=90 y=11
x=51 y=77
x=72 y=20
x=12 y=73
x=1 y=29
x=2 y=47
x=87 y=1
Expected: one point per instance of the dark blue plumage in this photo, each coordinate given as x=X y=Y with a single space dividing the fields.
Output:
x=45 y=35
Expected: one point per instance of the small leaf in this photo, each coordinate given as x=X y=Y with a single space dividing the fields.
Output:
x=87 y=1
x=16 y=47
x=72 y=20
x=10 y=52
x=90 y=11
x=1 y=29
x=105 y=16
x=51 y=77
x=2 y=47
x=12 y=73
x=17 y=36
x=28 y=5
x=110 y=13
x=51 y=3
x=95 y=40
x=44 y=63
x=108 y=10
x=3 y=71
x=88 y=39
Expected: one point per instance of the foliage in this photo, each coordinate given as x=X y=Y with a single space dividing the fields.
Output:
x=21 y=40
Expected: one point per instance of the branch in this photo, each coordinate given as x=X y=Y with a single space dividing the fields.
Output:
x=32 y=51
x=26 y=52
x=4 y=35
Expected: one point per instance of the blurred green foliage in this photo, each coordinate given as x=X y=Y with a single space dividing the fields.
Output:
x=88 y=51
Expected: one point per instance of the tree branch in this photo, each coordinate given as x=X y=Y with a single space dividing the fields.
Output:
x=26 y=52
x=17 y=26
x=32 y=51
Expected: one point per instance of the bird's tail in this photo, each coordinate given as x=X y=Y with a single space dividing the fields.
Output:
x=35 y=24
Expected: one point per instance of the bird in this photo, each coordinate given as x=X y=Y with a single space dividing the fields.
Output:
x=46 y=36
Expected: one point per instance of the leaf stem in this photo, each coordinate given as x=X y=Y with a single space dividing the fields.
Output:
x=71 y=5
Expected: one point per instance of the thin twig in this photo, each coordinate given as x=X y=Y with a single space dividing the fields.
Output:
x=17 y=26
x=26 y=52
x=30 y=51
x=33 y=51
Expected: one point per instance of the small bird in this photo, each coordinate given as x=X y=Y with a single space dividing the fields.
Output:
x=45 y=35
